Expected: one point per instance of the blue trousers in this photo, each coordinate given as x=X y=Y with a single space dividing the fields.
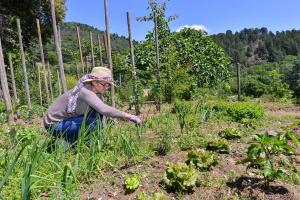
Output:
x=69 y=128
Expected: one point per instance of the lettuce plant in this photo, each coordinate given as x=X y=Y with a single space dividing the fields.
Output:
x=180 y=177
x=219 y=146
x=202 y=160
x=131 y=183
x=230 y=133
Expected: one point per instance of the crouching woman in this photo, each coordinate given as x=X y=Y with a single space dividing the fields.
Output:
x=67 y=113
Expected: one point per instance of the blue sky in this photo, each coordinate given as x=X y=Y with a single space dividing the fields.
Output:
x=215 y=15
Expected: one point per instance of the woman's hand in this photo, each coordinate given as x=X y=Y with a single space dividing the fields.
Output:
x=133 y=118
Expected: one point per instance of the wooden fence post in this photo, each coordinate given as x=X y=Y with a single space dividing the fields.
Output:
x=136 y=101
x=77 y=70
x=5 y=90
x=79 y=47
x=43 y=59
x=12 y=74
x=100 y=50
x=105 y=44
x=24 y=64
x=92 y=49
x=109 y=53
x=157 y=62
x=58 y=49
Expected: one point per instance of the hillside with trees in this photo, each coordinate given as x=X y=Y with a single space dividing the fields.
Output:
x=258 y=45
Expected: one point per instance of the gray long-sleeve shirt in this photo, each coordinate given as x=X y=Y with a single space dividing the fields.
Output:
x=86 y=97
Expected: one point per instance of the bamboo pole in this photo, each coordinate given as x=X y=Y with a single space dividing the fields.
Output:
x=24 y=64
x=12 y=74
x=43 y=59
x=5 y=90
x=59 y=85
x=135 y=91
x=92 y=49
x=59 y=35
x=40 y=84
x=58 y=49
x=86 y=64
x=109 y=52
x=79 y=47
x=105 y=45
x=157 y=62
x=50 y=81
x=100 y=50
x=239 y=81
x=77 y=70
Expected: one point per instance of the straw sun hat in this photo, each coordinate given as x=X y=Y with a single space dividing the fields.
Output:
x=100 y=74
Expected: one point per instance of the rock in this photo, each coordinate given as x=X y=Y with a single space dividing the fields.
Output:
x=272 y=133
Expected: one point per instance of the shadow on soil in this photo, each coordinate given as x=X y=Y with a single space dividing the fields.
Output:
x=244 y=183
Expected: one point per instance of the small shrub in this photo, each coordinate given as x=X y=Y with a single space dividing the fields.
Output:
x=2 y=107
x=230 y=133
x=165 y=144
x=182 y=109
x=36 y=111
x=131 y=183
x=202 y=160
x=237 y=111
x=3 y=118
x=180 y=177
x=190 y=140
x=219 y=146
x=267 y=157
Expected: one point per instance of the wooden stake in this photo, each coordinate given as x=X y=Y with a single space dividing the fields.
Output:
x=77 y=70
x=50 y=81
x=79 y=47
x=92 y=49
x=135 y=91
x=100 y=50
x=157 y=62
x=109 y=53
x=59 y=85
x=5 y=90
x=239 y=81
x=58 y=49
x=105 y=44
x=43 y=60
x=12 y=74
x=24 y=64
x=40 y=84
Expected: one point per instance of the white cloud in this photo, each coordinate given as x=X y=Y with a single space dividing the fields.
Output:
x=195 y=26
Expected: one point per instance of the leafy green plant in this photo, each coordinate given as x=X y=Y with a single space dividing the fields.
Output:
x=165 y=144
x=131 y=183
x=25 y=113
x=237 y=111
x=219 y=146
x=2 y=107
x=267 y=156
x=230 y=133
x=190 y=140
x=154 y=196
x=182 y=109
x=180 y=177
x=202 y=160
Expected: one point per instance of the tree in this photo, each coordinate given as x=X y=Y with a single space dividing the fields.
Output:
x=28 y=11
